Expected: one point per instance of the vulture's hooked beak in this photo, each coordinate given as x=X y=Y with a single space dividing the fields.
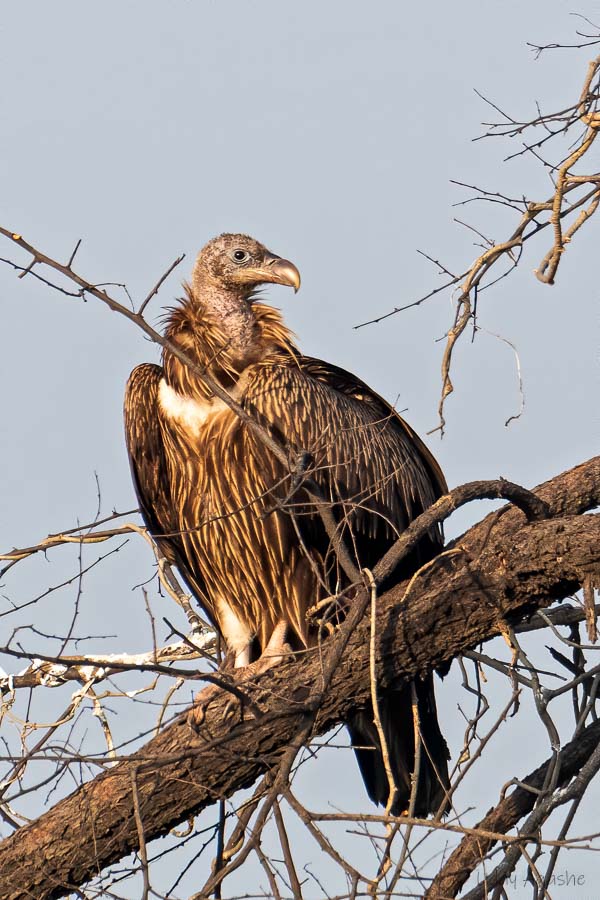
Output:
x=279 y=271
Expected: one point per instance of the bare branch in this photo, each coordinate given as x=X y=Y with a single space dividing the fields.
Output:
x=513 y=566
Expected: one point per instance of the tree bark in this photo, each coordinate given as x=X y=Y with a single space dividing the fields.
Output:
x=500 y=570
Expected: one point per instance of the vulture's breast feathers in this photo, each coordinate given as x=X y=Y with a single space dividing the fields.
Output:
x=189 y=414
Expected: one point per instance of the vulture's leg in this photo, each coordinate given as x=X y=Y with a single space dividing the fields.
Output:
x=242 y=657
x=275 y=649
x=277 y=646
x=274 y=653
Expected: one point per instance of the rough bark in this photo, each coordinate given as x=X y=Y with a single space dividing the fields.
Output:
x=503 y=568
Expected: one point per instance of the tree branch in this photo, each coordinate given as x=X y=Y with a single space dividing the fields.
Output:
x=504 y=568
x=473 y=848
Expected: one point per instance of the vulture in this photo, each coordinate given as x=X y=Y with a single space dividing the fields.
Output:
x=249 y=543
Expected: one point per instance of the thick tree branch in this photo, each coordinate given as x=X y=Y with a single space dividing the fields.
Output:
x=503 y=568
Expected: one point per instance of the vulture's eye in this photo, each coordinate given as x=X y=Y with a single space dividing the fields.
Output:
x=240 y=256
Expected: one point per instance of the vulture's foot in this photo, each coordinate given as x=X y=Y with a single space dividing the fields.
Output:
x=239 y=704
x=202 y=701
x=270 y=658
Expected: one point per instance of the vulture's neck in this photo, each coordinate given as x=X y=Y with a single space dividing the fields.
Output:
x=224 y=334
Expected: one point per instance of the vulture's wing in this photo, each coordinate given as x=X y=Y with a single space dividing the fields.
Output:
x=145 y=446
x=147 y=457
x=379 y=476
x=352 y=387
x=368 y=461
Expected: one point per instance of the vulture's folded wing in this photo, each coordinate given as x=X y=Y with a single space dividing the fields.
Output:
x=367 y=461
x=144 y=425
x=146 y=449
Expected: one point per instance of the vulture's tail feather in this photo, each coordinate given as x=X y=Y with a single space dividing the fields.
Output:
x=395 y=709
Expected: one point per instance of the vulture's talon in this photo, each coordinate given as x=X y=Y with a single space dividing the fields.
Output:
x=202 y=700
x=233 y=709
x=196 y=717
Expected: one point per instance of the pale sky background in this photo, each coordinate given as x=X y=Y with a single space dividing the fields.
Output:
x=330 y=131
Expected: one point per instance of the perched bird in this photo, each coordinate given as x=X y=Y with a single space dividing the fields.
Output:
x=252 y=548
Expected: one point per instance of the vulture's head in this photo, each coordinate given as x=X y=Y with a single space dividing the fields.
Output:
x=237 y=263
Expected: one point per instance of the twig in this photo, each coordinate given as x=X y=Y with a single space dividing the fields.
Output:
x=141 y=837
x=159 y=284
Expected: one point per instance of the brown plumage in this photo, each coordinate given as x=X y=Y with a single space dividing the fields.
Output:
x=213 y=495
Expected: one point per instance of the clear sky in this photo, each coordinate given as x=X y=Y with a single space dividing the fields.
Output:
x=329 y=131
